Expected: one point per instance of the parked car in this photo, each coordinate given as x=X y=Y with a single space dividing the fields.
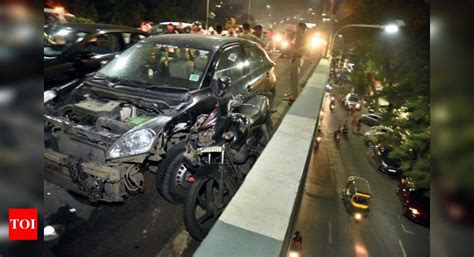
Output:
x=180 y=27
x=74 y=50
x=415 y=202
x=372 y=136
x=384 y=162
x=103 y=132
x=371 y=119
x=352 y=100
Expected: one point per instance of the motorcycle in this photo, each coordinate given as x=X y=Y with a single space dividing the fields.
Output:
x=319 y=138
x=222 y=148
x=345 y=131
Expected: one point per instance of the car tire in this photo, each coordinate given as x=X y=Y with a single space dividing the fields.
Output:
x=166 y=175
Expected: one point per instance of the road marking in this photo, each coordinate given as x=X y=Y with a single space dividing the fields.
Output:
x=330 y=233
x=403 y=249
x=405 y=230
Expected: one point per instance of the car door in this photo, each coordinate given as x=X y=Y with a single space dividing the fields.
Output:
x=232 y=63
x=260 y=69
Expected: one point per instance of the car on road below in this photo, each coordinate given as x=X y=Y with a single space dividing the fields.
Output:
x=372 y=136
x=74 y=50
x=352 y=100
x=371 y=119
x=415 y=202
x=385 y=162
x=103 y=132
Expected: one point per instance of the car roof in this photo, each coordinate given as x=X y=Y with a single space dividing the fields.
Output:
x=361 y=185
x=94 y=27
x=194 y=41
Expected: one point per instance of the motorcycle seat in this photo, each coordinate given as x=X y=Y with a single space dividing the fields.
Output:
x=255 y=110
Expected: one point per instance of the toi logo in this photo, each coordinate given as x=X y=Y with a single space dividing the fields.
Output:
x=23 y=224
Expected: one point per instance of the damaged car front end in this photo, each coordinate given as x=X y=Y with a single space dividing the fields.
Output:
x=97 y=146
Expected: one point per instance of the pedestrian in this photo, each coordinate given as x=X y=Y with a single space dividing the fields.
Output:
x=170 y=29
x=354 y=124
x=296 y=58
x=359 y=126
x=247 y=34
x=219 y=30
x=197 y=28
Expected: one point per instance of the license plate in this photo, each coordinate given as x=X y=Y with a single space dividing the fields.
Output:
x=210 y=149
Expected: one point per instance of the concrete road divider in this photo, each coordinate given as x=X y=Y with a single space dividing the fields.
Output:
x=259 y=219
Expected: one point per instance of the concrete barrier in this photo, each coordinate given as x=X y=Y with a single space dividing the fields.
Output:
x=259 y=219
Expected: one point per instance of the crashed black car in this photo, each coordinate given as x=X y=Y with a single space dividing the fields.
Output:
x=102 y=133
x=74 y=50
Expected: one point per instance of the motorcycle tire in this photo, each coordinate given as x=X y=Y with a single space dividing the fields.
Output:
x=191 y=223
x=167 y=175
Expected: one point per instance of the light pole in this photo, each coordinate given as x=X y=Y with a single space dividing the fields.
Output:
x=390 y=28
x=207 y=15
x=248 y=14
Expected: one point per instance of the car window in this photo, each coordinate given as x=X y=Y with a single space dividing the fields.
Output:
x=132 y=38
x=58 y=39
x=105 y=44
x=232 y=64
x=361 y=200
x=256 y=57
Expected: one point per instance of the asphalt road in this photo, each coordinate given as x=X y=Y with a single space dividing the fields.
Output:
x=327 y=228
x=146 y=224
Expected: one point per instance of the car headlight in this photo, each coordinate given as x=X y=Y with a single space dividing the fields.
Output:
x=133 y=143
x=293 y=254
x=414 y=211
x=357 y=106
x=48 y=96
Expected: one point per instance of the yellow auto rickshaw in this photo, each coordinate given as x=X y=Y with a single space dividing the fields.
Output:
x=356 y=197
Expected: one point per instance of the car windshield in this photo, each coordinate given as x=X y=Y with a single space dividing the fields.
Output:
x=353 y=98
x=360 y=199
x=59 y=39
x=158 y=65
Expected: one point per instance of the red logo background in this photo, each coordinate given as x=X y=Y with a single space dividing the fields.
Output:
x=23 y=224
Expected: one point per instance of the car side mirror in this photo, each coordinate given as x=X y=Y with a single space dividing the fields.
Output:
x=223 y=83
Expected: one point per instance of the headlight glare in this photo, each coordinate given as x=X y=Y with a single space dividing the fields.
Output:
x=133 y=143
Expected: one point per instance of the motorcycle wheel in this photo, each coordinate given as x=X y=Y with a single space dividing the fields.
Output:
x=171 y=180
x=200 y=209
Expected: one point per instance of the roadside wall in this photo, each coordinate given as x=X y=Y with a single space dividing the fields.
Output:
x=259 y=219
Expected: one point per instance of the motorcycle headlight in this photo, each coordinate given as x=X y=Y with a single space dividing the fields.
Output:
x=285 y=44
x=357 y=106
x=133 y=143
x=414 y=211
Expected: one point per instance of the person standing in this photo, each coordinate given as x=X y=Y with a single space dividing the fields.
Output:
x=170 y=29
x=247 y=34
x=296 y=58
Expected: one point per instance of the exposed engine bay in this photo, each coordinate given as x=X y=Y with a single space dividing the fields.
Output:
x=79 y=131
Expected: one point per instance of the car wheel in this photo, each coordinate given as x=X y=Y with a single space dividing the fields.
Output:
x=171 y=179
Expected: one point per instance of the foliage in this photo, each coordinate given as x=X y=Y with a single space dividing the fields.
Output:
x=401 y=63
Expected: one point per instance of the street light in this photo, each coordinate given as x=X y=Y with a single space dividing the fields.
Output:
x=268 y=6
x=390 y=28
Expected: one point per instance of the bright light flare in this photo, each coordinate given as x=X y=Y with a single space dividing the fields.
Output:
x=391 y=28
x=278 y=38
x=59 y=9
x=317 y=42
x=285 y=44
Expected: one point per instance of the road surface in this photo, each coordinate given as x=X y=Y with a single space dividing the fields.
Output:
x=327 y=228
